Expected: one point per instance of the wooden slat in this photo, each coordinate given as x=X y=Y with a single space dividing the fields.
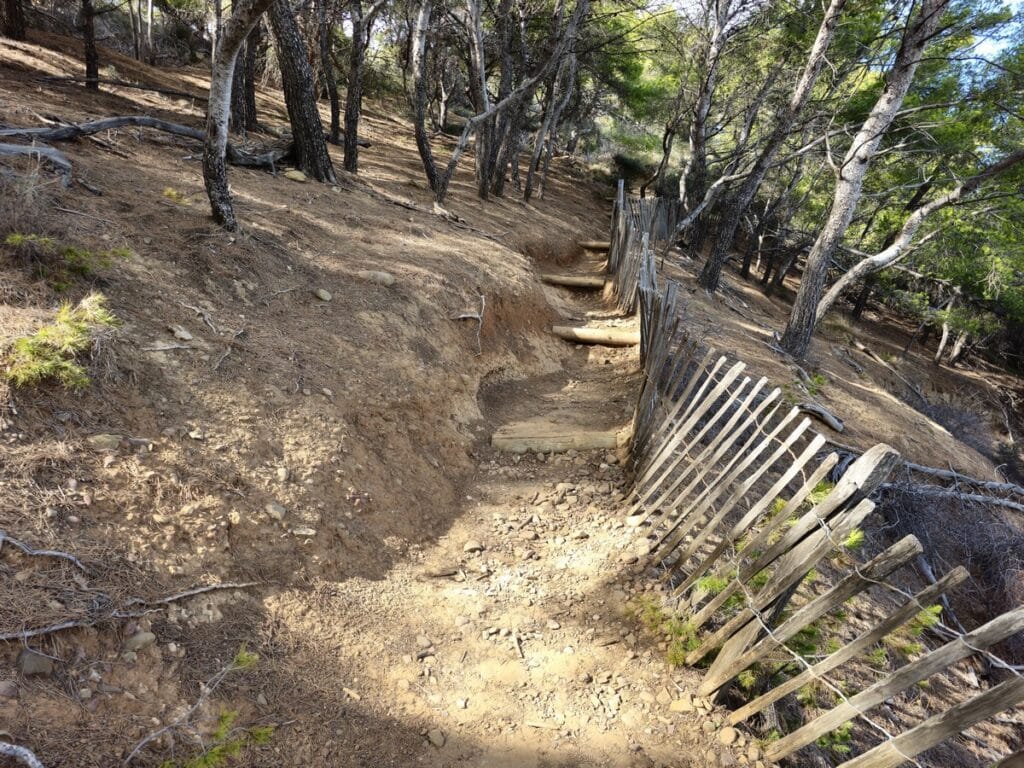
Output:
x=920 y=669
x=681 y=433
x=791 y=568
x=725 y=481
x=853 y=584
x=707 y=460
x=661 y=438
x=762 y=504
x=855 y=647
x=859 y=480
x=940 y=727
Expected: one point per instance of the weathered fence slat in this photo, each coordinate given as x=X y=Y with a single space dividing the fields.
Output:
x=861 y=643
x=744 y=525
x=706 y=462
x=877 y=568
x=682 y=433
x=940 y=727
x=959 y=648
x=700 y=510
x=791 y=568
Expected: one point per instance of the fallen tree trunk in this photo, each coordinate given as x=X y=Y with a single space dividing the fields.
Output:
x=54 y=157
x=952 y=493
x=851 y=452
x=574 y=281
x=235 y=156
x=822 y=415
x=609 y=337
x=127 y=84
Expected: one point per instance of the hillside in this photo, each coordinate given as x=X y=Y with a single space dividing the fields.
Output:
x=301 y=410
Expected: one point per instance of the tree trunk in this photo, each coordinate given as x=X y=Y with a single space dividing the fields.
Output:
x=243 y=92
x=245 y=15
x=694 y=179
x=862 y=297
x=218 y=25
x=734 y=212
x=309 y=147
x=920 y=27
x=150 y=52
x=959 y=348
x=657 y=180
x=418 y=59
x=498 y=127
x=136 y=24
x=326 y=35
x=92 y=58
x=894 y=249
x=12 y=20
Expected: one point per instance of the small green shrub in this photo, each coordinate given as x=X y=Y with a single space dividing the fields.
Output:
x=50 y=353
x=878 y=657
x=838 y=741
x=816 y=383
x=60 y=263
x=228 y=742
x=855 y=540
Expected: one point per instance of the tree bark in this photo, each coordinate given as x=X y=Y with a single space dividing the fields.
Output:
x=920 y=27
x=361 y=26
x=694 y=180
x=245 y=15
x=326 y=35
x=309 y=147
x=243 y=92
x=92 y=58
x=784 y=123
x=12 y=20
x=418 y=59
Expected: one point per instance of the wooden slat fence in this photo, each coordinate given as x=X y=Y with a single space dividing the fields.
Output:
x=731 y=500
x=634 y=222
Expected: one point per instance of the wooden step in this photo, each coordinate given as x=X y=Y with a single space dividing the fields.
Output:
x=609 y=337
x=574 y=281
x=595 y=245
x=542 y=436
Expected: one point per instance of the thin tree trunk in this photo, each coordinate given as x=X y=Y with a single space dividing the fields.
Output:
x=136 y=24
x=150 y=52
x=418 y=58
x=920 y=27
x=243 y=91
x=309 y=146
x=218 y=25
x=326 y=35
x=740 y=202
x=12 y=20
x=92 y=58
x=245 y=15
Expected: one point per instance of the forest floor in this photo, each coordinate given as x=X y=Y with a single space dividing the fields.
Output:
x=419 y=598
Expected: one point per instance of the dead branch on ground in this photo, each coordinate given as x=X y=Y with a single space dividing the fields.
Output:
x=21 y=754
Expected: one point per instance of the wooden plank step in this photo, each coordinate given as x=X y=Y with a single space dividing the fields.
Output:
x=595 y=245
x=542 y=436
x=609 y=337
x=574 y=281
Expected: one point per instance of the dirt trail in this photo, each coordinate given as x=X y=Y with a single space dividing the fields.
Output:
x=511 y=641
